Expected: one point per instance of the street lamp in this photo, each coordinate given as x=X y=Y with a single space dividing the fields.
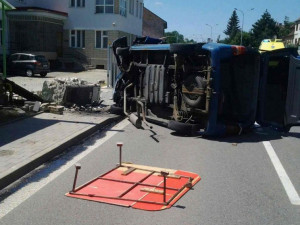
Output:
x=242 y=23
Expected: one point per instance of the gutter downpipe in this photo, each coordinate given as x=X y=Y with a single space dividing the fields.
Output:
x=3 y=40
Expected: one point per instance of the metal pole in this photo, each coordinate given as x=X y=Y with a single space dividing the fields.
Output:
x=165 y=174
x=3 y=41
x=78 y=167
x=210 y=31
x=120 y=144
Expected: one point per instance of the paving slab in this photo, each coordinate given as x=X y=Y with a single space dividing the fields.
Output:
x=28 y=143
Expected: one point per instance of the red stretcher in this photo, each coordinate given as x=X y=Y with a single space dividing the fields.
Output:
x=137 y=186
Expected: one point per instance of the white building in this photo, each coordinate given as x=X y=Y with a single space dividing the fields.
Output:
x=297 y=32
x=74 y=31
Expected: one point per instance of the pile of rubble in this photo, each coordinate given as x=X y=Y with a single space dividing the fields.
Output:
x=54 y=91
x=74 y=94
x=59 y=95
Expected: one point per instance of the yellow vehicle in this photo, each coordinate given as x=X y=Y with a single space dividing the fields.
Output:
x=270 y=45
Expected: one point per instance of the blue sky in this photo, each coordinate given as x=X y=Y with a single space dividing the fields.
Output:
x=189 y=17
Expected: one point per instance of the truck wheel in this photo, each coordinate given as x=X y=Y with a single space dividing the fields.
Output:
x=122 y=51
x=43 y=74
x=190 y=83
x=114 y=109
x=29 y=73
x=183 y=128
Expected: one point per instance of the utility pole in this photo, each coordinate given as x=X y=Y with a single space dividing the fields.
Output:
x=242 y=24
x=210 y=31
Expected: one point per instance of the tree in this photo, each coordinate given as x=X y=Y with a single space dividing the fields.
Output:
x=247 y=39
x=264 y=28
x=233 y=26
x=174 y=37
x=285 y=29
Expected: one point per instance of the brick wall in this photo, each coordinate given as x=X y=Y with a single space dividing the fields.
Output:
x=153 y=25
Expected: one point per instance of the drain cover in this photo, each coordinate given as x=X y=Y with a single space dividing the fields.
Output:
x=6 y=152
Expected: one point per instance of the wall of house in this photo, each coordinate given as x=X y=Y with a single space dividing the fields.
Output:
x=153 y=25
x=34 y=34
x=97 y=57
x=86 y=18
x=297 y=33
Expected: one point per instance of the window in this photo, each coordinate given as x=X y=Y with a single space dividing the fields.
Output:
x=131 y=7
x=101 y=39
x=123 y=8
x=1 y=33
x=25 y=57
x=77 y=39
x=14 y=57
x=77 y=3
x=104 y=6
x=141 y=10
x=137 y=9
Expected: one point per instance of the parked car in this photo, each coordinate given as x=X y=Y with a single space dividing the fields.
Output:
x=27 y=64
x=207 y=89
x=271 y=45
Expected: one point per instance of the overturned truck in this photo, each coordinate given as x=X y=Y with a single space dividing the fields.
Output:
x=207 y=89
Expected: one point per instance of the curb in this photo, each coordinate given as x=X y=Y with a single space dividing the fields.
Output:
x=16 y=172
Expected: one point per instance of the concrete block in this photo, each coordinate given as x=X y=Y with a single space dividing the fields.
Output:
x=56 y=109
x=37 y=106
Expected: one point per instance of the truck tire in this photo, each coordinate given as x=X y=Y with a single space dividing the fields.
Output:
x=114 y=109
x=190 y=82
x=122 y=51
x=183 y=128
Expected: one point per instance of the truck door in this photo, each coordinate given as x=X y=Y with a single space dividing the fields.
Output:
x=293 y=93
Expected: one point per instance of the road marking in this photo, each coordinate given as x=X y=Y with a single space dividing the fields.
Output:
x=283 y=176
x=31 y=188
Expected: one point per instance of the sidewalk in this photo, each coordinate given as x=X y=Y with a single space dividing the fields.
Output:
x=26 y=144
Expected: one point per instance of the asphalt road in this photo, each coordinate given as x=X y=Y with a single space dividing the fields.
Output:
x=240 y=180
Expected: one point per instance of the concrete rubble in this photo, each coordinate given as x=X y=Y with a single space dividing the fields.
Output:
x=54 y=91
x=59 y=95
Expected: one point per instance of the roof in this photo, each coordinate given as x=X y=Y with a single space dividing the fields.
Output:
x=7 y=6
x=297 y=19
x=38 y=9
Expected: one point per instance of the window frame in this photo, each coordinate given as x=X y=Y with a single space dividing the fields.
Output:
x=131 y=7
x=1 y=30
x=104 y=35
x=104 y=5
x=123 y=8
x=141 y=10
x=137 y=8
x=77 y=3
x=79 y=39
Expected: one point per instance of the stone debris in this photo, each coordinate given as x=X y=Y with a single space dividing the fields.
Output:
x=56 y=109
x=36 y=106
x=54 y=91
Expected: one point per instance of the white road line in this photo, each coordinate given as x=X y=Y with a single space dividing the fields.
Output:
x=283 y=176
x=30 y=189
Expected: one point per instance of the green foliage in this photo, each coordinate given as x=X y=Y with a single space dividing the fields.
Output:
x=285 y=29
x=174 y=37
x=233 y=26
x=264 y=28
x=236 y=40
